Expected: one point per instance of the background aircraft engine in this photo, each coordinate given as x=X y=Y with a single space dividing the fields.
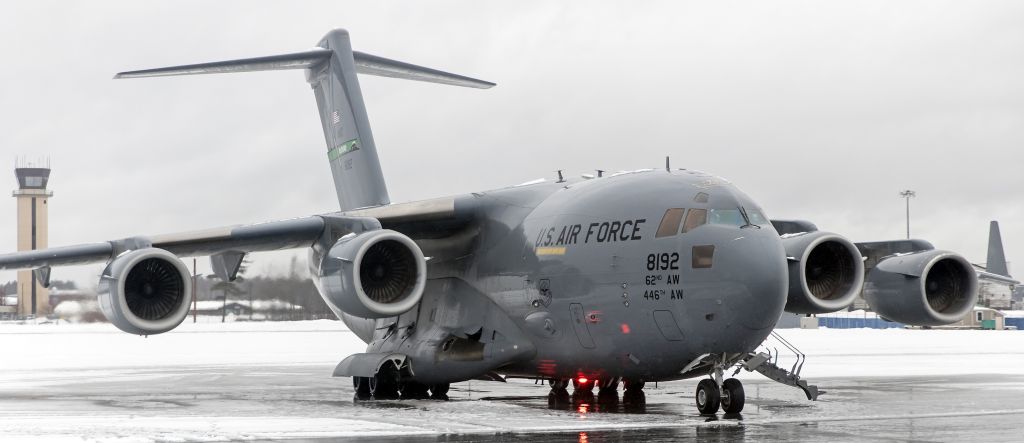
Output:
x=928 y=288
x=145 y=291
x=826 y=272
x=374 y=274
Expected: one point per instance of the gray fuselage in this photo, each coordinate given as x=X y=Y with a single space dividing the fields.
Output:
x=595 y=289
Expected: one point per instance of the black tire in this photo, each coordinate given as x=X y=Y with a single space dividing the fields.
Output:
x=440 y=390
x=708 y=396
x=362 y=387
x=632 y=384
x=413 y=391
x=608 y=386
x=733 y=397
x=558 y=384
x=587 y=386
x=384 y=385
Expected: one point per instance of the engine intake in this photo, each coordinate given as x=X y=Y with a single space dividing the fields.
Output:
x=826 y=272
x=374 y=274
x=145 y=291
x=928 y=288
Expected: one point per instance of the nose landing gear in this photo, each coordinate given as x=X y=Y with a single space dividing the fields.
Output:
x=714 y=393
x=733 y=397
x=708 y=396
x=729 y=397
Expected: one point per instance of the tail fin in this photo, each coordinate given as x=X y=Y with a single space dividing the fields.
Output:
x=996 y=262
x=331 y=69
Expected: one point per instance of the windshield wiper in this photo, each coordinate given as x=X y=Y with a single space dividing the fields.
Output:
x=746 y=219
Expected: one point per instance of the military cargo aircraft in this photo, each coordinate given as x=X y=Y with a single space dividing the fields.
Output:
x=623 y=278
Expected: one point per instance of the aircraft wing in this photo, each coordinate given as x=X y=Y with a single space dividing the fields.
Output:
x=270 y=236
x=418 y=219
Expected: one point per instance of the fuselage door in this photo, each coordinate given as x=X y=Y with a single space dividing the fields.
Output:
x=579 y=324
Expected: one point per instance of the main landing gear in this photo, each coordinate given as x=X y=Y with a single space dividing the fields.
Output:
x=387 y=385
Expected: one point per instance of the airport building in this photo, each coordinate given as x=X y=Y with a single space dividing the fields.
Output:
x=32 y=201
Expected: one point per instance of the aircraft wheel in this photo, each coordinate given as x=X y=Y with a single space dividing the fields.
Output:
x=586 y=386
x=558 y=384
x=632 y=384
x=733 y=397
x=708 y=396
x=384 y=385
x=439 y=391
x=413 y=390
x=608 y=386
x=362 y=387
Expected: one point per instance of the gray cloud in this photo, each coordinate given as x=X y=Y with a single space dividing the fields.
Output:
x=818 y=110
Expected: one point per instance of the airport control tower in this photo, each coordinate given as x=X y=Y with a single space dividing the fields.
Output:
x=32 y=196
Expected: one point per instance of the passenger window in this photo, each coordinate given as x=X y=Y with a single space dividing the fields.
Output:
x=695 y=218
x=670 y=222
x=703 y=256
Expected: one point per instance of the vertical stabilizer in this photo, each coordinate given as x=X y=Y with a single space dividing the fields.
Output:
x=996 y=262
x=331 y=70
x=358 y=177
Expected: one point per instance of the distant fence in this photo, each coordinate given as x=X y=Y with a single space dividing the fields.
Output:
x=1016 y=322
x=855 y=322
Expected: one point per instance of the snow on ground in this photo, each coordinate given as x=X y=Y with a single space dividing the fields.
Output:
x=904 y=352
x=101 y=345
x=245 y=380
x=831 y=352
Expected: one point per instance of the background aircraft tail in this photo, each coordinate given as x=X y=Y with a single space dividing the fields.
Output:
x=331 y=70
x=996 y=263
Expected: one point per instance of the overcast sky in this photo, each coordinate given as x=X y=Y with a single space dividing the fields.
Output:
x=818 y=110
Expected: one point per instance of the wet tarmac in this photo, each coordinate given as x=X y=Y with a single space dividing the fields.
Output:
x=274 y=403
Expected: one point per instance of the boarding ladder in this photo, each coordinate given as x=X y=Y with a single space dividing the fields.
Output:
x=766 y=363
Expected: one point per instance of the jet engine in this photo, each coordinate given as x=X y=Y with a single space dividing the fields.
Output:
x=826 y=272
x=928 y=288
x=373 y=274
x=145 y=291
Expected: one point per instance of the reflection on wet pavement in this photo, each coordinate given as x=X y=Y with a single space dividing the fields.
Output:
x=305 y=402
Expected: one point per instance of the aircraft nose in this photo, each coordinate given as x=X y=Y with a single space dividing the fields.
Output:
x=762 y=261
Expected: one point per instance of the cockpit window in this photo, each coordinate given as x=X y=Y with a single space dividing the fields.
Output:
x=695 y=218
x=670 y=222
x=728 y=217
x=756 y=217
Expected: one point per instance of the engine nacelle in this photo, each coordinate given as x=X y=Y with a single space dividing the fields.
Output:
x=373 y=274
x=928 y=288
x=826 y=272
x=145 y=291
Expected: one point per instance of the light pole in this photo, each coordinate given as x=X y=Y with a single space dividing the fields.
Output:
x=908 y=194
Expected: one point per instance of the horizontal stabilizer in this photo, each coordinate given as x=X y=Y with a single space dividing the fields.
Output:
x=364 y=63
x=380 y=66
x=297 y=60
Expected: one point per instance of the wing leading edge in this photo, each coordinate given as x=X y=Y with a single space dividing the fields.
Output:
x=271 y=236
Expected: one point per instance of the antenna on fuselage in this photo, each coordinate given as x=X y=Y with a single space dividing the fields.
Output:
x=667 y=167
x=560 y=178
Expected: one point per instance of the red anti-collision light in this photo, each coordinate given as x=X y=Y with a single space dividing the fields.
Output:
x=582 y=380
